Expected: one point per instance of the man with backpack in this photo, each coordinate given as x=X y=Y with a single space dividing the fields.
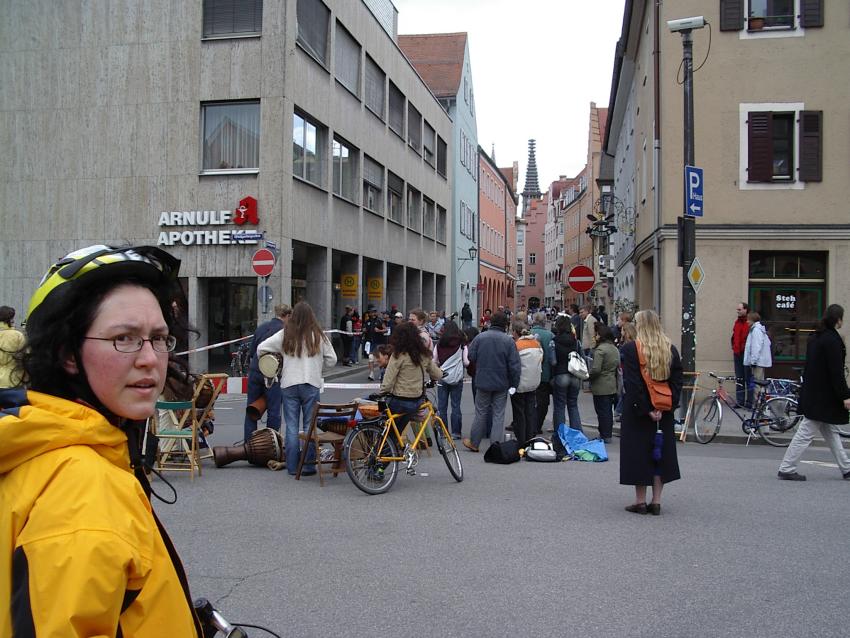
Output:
x=523 y=401
x=497 y=368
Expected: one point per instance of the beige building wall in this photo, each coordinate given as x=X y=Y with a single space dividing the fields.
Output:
x=745 y=71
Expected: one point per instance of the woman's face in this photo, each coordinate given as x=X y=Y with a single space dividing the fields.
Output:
x=126 y=383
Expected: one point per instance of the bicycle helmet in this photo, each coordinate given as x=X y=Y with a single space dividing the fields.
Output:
x=95 y=263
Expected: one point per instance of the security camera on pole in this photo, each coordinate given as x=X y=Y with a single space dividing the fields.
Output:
x=687 y=234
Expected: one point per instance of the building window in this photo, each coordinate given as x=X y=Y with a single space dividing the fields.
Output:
x=313 y=23
x=429 y=218
x=781 y=145
x=347 y=60
x=442 y=156
x=395 y=197
x=414 y=128
x=375 y=88
x=414 y=209
x=757 y=17
x=344 y=169
x=532 y=259
x=373 y=185
x=308 y=148
x=231 y=136
x=227 y=18
x=771 y=13
x=532 y=279
x=441 y=224
x=428 y=139
x=519 y=268
x=396 y=119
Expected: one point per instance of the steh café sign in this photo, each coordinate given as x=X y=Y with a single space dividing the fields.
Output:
x=218 y=227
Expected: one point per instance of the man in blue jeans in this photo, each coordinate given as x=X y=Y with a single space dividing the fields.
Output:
x=497 y=368
x=257 y=382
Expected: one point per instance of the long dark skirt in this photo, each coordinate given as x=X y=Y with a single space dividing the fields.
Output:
x=638 y=437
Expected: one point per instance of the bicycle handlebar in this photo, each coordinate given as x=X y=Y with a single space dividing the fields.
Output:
x=213 y=622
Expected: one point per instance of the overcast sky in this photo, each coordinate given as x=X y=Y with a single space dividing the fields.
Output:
x=536 y=67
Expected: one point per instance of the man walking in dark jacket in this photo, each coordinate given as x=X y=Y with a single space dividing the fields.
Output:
x=824 y=397
x=257 y=382
x=740 y=330
x=497 y=368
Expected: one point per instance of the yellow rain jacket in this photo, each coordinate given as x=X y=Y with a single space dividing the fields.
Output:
x=81 y=551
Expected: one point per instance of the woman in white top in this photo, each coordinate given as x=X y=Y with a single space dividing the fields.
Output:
x=305 y=349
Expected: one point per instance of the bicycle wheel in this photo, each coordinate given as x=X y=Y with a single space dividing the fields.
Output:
x=707 y=420
x=779 y=421
x=447 y=448
x=360 y=451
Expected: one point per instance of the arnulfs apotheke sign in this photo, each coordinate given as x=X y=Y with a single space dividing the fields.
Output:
x=246 y=213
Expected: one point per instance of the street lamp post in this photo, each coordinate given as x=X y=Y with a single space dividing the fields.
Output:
x=687 y=239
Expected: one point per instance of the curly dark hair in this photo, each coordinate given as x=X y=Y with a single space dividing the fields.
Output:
x=55 y=335
x=406 y=339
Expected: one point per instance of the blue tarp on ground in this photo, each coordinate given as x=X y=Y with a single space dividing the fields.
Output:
x=579 y=447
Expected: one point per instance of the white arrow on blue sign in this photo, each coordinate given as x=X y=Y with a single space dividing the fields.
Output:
x=693 y=191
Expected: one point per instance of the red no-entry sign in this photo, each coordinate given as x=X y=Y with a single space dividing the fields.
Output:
x=581 y=278
x=263 y=262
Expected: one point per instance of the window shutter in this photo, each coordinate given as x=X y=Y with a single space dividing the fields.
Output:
x=375 y=83
x=732 y=15
x=373 y=172
x=347 y=60
x=759 y=146
x=226 y=17
x=811 y=146
x=811 y=13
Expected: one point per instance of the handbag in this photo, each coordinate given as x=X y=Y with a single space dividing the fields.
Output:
x=502 y=452
x=660 y=394
x=577 y=366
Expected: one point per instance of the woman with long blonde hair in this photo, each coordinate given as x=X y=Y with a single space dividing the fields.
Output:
x=305 y=350
x=639 y=465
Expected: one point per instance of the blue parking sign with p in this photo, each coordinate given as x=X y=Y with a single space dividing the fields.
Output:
x=693 y=191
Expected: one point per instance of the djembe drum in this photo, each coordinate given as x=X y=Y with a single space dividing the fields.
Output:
x=262 y=446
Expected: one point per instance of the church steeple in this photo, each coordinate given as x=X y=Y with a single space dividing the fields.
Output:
x=532 y=187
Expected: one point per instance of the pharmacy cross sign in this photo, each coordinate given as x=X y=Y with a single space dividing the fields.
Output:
x=263 y=262
x=581 y=278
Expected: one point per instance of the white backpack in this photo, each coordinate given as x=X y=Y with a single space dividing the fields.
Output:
x=453 y=368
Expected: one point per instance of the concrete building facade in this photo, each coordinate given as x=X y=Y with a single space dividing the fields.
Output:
x=442 y=60
x=213 y=128
x=773 y=139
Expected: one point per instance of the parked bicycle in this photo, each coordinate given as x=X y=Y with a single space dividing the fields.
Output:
x=240 y=360
x=773 y=418
x=373 y=450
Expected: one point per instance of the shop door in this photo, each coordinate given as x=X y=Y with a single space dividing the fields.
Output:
x=232 y=314
x=790 y=314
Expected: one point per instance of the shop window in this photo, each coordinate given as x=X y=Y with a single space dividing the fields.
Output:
x=308 y=148
x=373 y=185
x=376 y=81
x=442 y=156
x=764 y=16
x=231 y=136
x=347 y=60
x=441 y=224
x=396 y=118
x=414 y=128
x=414 y=209
x=313 y=19
x=344 y=169
x=395 y=197
x=429 y=218
x=781 y=145
x=232 y=18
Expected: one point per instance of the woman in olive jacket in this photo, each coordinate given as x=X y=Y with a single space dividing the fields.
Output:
x=603 y=379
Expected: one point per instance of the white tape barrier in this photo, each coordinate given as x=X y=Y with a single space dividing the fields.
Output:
x=227 y=343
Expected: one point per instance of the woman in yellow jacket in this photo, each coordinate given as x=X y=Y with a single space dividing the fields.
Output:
x=84 y=553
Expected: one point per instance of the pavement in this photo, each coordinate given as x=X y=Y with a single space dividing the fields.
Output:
x=537 y=549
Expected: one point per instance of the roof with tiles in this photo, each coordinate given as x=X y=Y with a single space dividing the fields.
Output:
x=438 y=58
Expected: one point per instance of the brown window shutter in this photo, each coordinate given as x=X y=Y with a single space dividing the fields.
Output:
x=811 y=13
x=759 y=146
x=811 y=146
x=732 y=15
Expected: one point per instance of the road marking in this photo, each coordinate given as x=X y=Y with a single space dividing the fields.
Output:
x=821 y=463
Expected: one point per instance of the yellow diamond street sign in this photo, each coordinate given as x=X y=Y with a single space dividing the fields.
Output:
x=696 y=275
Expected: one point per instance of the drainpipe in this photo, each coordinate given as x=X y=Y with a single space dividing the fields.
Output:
x=656 y=161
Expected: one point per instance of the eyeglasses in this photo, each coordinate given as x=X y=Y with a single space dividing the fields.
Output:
x=129 y=344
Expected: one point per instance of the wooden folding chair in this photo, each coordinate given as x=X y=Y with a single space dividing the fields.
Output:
x=329 y=424
x=218 y=382
x=178 y=440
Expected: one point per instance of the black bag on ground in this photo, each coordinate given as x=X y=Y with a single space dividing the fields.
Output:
x=502 y=452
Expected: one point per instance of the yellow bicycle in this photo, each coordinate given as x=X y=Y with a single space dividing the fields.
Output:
x=372 y=455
